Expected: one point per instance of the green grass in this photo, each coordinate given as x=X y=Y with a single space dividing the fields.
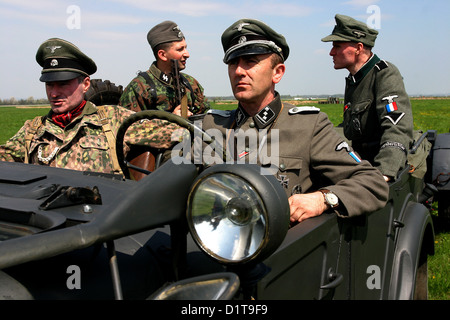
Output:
x=432 y=114
x=13 y=118
x=438 y=268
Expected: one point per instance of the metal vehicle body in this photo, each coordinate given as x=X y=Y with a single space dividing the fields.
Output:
x=74 y=235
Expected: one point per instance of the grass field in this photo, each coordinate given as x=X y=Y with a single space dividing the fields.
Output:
x=429 y=114
x=13 y=118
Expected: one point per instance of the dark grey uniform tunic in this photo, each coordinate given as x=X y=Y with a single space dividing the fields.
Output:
x=378 y=117
x=311 y=154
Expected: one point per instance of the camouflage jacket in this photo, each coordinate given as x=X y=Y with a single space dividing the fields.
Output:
x=160 y=94
x=83 y=145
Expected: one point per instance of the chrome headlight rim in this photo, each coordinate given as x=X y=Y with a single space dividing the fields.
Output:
x=274 y=200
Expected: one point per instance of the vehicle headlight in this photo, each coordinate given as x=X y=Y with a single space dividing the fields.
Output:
x=235 y=214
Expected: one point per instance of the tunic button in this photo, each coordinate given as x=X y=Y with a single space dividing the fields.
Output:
x=282 y=166
x=251 y=125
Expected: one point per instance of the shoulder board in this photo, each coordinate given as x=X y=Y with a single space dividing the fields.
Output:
x=222 y=113
x=36 y=123
x=304 y=109
x=381 y=65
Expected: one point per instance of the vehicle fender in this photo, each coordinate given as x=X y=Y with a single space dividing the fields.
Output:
x=416 y=234
x=11 y=289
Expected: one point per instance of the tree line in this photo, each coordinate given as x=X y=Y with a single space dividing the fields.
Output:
x=32 y=101
x=29 y=101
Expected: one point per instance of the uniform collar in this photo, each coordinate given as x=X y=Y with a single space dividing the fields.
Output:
x=264 y=117
x=364 y=70
x=158 y=74
x=89 y=108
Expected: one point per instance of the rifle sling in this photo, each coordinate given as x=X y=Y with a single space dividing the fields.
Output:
x=152 y=89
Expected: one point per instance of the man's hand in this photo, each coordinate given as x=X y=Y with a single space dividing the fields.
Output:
x=177 y=111
x=304 y=206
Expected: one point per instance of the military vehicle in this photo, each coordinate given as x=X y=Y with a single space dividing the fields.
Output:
x=186 y=231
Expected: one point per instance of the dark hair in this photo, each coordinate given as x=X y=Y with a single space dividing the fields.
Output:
x=163 y=46
x=81 y=78
x=365 y=46
x=276 y=59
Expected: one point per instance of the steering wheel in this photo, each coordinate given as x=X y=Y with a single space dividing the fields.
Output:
x=149 y=115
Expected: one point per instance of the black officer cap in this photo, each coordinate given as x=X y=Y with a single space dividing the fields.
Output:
x=62 y=60
x=250 y=36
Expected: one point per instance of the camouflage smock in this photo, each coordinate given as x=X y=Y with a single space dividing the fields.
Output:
x=140 y=95
x=83 y=145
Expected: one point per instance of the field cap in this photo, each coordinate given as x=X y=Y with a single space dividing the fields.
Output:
x=62 y=60
x=249 y=36
x=349 y=29
x=167 y=31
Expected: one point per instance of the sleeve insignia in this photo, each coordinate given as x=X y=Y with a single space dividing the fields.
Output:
x=395 y=117
x=344 y=145
x=391 y=104
x=393 y=144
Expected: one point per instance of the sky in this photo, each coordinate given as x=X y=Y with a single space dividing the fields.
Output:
x=413 y=34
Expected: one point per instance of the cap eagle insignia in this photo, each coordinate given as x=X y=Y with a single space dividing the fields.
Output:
x=242 y=25
x=53 y=48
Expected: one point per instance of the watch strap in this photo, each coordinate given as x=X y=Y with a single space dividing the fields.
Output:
x=324 y=193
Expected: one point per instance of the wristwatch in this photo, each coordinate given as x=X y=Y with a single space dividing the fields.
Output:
x=330 y=198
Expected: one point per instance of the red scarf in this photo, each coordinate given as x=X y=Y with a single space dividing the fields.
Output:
x=64 y=119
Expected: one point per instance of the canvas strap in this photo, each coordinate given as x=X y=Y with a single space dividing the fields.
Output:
x=110 y=137
x=36 y=123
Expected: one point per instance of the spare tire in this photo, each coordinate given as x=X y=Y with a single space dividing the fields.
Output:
x=103 y=92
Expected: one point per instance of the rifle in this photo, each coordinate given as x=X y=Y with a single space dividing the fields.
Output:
x=179 y=89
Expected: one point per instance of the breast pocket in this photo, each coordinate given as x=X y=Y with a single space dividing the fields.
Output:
x=94 y=142
x=94 y=153
x=355 y=120
x=289 y=174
